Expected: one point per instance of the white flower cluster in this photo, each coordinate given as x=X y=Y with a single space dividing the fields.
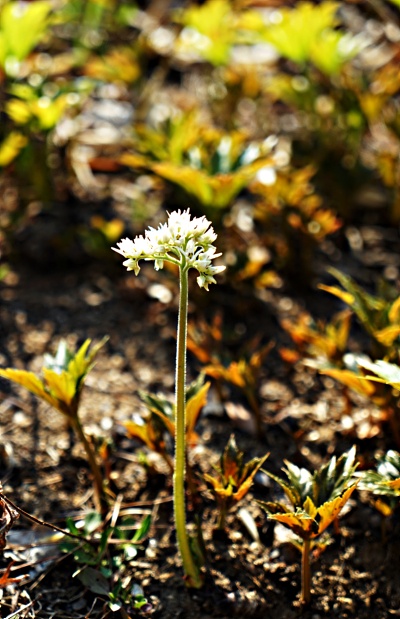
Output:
x=182 y=240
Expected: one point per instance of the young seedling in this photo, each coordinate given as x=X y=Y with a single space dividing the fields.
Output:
x=186 y=243
x=324 y=342
x=245 y=375
x=316 y=500
x=384 y=482
x=61 y=385
x=378 y=315
x=234 y=478
x=380 y=389
x=161 y=419
x=103 y=565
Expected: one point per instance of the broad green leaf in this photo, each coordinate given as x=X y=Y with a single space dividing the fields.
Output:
x=94 y=581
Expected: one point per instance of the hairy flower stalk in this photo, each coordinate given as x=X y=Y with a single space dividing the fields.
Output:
x=188 y=243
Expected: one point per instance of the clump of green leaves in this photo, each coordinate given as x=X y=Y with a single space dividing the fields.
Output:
x=208 y=164
x=159 y=422
x=384 y=482
x=234 y=478
x=315 y=501
x=378 y=315
x=104 y=564
x=22 y=26
x=61 y=384
x=308 y=33
x=210 y=31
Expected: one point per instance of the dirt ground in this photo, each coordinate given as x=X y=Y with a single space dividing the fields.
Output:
x=358 y=574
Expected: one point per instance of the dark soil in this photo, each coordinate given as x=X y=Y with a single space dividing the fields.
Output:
x=44 y=474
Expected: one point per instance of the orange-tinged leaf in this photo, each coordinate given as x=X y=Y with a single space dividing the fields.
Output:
x=394 y=484
x=346 y=297
x=195 y=405
x=348 y=378
x=202 y=355
x=387 y=335
x=218 y=487
x=234 y=373
x=383 y=508
x=299 y=522
x=5 y=579
x=289 y=356
x=331 y=509
x=140 y=432
x=170 y=425
x=243 y=488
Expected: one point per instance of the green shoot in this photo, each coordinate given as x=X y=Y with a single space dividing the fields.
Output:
x=315 y=501
x=61 y=385
x=234 y=478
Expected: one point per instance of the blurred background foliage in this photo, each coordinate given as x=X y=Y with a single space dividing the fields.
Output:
x=278 y=120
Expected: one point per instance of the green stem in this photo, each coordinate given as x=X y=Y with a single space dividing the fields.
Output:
x=305 y=573
x=192 y=573
x=98 y=483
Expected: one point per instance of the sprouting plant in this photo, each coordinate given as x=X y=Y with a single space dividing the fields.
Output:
x=384 y=482
x=379 y=315
x=104 y=564
x=243 y=374
x=316 y=500
x=186 y=243
x=212 y=29
x=208 y=164
x=307 y=33
x=160 y=419
x=22 y=26
x=293 y=214
x=205 y=342
x=61 y=385
x=234 y=478
x=324 y=342
x=352 y=374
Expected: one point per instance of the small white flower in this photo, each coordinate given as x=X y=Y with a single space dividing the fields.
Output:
x=182 y=240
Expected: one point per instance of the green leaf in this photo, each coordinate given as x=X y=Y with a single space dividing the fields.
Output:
x=94 y=581
x=388 y=373
x=142 y=531
x=22 y=26
x=93 y=520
